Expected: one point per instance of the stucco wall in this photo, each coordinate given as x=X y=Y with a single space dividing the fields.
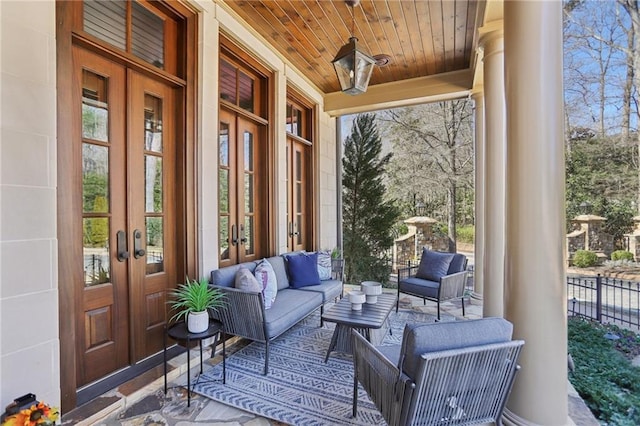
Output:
x=29 y=348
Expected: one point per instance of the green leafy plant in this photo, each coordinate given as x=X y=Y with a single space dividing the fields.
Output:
x=603 y=375
x=622 y=255
x=465 y=234
x=585 y=259
x=194 y=296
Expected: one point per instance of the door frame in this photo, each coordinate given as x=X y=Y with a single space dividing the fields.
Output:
x=69 y=32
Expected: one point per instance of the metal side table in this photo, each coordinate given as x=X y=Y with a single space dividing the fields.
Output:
x=179 y=332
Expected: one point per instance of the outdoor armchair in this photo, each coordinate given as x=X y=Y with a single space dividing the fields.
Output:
x=451 y=373
x=439 y=277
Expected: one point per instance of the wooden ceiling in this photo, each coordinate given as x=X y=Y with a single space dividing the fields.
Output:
x=422 y=37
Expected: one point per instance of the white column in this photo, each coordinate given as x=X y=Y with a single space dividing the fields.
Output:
x=535 y=282
x=491 y=40
x=478 y=272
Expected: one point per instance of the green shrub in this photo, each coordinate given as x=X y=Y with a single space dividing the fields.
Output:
x=622 y=255
x=585 y=258
x=603 y=376
x=465 y=234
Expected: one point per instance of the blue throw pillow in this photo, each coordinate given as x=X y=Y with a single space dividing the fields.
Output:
x=433 y=265
x=303 y=270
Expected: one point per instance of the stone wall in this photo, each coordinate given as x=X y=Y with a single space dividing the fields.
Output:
x=420 y=234
x=589 y=234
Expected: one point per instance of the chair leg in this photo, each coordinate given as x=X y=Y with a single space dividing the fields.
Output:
x=266 y=358
x=322 y=312
x=462 y=305
x=424 y=302
x=438 y=302
x=398 y=299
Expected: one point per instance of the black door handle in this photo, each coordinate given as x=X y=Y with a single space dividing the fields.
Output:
x=234 y=235
x=138 y=251
x=123 y=253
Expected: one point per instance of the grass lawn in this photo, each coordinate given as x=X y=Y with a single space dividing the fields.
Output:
x=603 y=375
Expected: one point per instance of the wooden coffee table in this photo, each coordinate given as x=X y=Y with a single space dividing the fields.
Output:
x=371 y=322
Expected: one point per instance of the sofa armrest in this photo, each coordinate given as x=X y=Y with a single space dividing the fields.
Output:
x=242 y=313
x=452 y=286
x=386 y=385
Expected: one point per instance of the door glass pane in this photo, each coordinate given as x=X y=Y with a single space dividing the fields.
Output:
x=95 y=250
x=153 y=184
x=107 y=21
x=298 y=163
x=248 y=234
x=246 y=92
x=223 y=192
x=248 y=151
x=299 y=229
x=228 y=82
x=152 y=123
x=155 y=245
x=295 y=122
x=147 y=35
x=95 y=178
x=95 y=113
x=248 y=193
x=224 y=144
x=224 y=237
x=298 y=197
x=289 y=120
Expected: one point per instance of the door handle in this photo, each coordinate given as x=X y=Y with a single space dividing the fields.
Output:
x=234 y=235
x=123 y=253
x=138 y=251
x=242 y=237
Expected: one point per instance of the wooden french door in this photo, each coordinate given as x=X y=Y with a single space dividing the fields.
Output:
x=241 y=189
x=298 y=195
x=124 y=138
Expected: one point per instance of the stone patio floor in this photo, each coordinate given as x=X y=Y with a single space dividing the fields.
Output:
x=142 y=402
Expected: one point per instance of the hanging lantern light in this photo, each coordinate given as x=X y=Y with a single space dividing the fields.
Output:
x=353 y=65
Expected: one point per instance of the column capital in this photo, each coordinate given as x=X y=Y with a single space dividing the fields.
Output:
x=490 y=32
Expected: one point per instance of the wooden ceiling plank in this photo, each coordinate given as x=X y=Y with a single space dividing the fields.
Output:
x=469 y=49
x=461 y=17
x=437 y=33
x=382 y=26
x=424 y=20
x=406 y=59
x=396 y=50
x=412 y=25
x=448 y=26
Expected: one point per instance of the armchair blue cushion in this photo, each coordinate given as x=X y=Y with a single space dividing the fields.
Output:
x=434 y=265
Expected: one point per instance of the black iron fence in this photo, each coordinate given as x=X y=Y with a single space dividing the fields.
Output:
x=605 y=299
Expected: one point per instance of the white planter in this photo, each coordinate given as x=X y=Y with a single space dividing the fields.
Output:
x=372 y=290
x=198 y=322
x=357 y=298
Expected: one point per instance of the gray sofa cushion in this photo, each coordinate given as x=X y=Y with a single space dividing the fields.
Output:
x=225 y=277
x=421 y=338
x=330 y=289
x=290 y=307
x=281 y=271
x=419 y=286
x=434 y=265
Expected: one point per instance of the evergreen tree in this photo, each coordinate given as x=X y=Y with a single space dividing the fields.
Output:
x=368 y=218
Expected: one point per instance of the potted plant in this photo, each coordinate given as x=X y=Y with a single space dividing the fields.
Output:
x=192 y=301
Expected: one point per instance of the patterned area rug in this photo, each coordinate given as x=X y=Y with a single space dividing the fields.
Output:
x=300 y=388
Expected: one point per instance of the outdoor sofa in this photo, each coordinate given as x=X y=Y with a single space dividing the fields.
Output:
x=244 y=313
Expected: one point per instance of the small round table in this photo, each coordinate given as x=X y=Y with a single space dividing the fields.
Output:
x=179 y=332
